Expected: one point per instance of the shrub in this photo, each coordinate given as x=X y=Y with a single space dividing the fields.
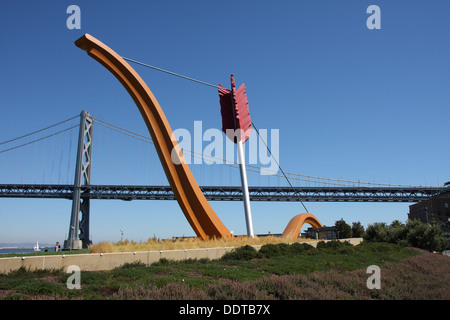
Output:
x=414 y=234
x=396 y=232
x=335 y=246
x=26 y=273
x=16 y=296
x=242 y=253
x=132 y=265
x=321 y=245
x=377 y=232
x=368 y=247
x=301 y=248
x=273 y=250
x=39 y=287
x=428 y=237
x=161 y=262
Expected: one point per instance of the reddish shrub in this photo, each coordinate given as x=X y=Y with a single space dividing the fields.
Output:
x=424 y=277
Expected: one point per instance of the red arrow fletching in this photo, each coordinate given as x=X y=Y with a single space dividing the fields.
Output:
x=235 y=112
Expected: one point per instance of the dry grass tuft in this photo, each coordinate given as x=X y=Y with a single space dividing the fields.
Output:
x=186 y=243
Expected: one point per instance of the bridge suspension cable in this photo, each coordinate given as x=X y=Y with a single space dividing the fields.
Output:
x=36 y=140
x=39 y=155
x=257 y=169
x=279 y=167
x=253 y=168
x=124 y=131
x=37 y=131
x=290 y=177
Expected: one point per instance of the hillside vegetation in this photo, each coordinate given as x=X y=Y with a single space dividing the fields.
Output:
x=153 y=244
x=333 y=270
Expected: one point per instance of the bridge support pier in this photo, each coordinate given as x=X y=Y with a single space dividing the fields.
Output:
x=79 y=229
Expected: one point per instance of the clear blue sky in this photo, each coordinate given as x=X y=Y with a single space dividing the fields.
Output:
x=350 y=103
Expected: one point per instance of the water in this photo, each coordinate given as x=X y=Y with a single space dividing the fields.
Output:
x=22 y=250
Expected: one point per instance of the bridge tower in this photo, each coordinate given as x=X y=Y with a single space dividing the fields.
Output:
x=78 y=237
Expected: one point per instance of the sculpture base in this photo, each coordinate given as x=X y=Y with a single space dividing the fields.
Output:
x=73 y=245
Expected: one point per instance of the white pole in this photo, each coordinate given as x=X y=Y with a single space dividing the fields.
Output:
x=248 y=211
x=241 y=160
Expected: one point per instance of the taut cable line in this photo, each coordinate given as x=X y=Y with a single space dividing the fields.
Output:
x=171 y=73
x=36 y=140
x=34 y=132
x=217 y=87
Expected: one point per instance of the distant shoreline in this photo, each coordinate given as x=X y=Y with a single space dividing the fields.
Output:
x=18 y=250
x=24 y=245
x=25 y=248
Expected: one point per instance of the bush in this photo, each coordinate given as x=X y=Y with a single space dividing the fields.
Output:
x=335 y=246
x=242 y=253
x=369 y=247
x=302 y=248
x=39 y=287
x=396 y=233
x=161 y=262
x=427 y=237
x=132 y=265
x=414 y=234
x=376 y=232
x=274 y=250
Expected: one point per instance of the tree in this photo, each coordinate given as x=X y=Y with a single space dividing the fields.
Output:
x=425 y=236
x=357 y=230
x=414 y=234
x=343 y=229
x=377 y=232
x=396 y=233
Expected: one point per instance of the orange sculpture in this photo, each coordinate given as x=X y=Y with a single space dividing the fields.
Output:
x=193 y=203
x=293 y=228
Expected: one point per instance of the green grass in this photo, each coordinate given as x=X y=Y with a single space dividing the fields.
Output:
x=43 y=253
x=243 y=273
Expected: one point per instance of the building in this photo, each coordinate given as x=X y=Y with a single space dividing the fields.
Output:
x=328 y=233
x=325 y=233
x=436 y=208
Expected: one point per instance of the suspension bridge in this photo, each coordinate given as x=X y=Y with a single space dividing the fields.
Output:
x=64 y=161
x=42 y=164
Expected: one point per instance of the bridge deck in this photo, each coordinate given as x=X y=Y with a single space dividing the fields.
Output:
x=228 y=193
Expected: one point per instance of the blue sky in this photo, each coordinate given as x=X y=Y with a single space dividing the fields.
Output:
x=350 y=103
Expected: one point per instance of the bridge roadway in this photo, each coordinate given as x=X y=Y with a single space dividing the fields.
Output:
x=227 y=193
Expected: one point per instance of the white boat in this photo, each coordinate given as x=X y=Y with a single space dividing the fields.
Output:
x=36 y=247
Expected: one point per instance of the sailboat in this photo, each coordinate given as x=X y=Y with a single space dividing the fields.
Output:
x=36 y=247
